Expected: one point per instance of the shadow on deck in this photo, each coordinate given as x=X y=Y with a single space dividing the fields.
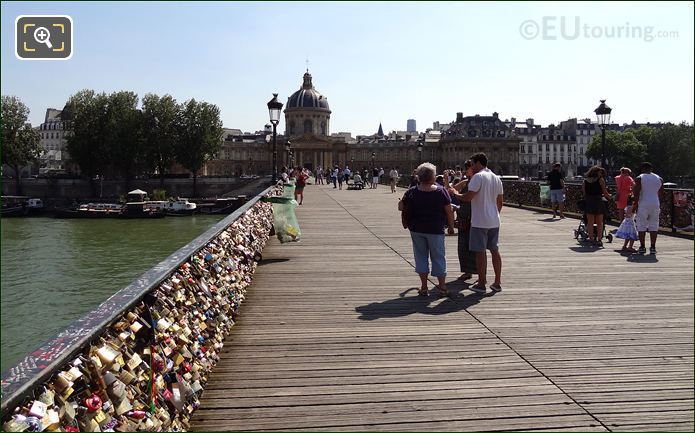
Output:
x=334 y=337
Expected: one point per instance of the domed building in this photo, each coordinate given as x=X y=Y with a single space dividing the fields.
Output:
x=307 y=126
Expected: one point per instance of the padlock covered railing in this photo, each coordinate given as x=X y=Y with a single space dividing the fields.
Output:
x=140 y=359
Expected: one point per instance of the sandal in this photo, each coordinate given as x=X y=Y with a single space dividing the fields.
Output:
x=443 y=292
x=423 y=292
x=495 y=287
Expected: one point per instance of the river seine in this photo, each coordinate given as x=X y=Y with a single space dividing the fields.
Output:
x=56 y=270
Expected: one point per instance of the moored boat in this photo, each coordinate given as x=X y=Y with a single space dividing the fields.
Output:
x=90 y=210
x=178 y=207
x=139 y=209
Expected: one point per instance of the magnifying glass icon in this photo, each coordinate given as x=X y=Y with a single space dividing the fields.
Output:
x=43 y=36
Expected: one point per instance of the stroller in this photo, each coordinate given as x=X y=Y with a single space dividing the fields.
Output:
x=581 y=232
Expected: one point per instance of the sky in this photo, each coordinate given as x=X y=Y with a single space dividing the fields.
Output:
x=375 y=62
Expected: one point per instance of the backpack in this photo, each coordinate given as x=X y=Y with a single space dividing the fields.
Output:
x=403 y=205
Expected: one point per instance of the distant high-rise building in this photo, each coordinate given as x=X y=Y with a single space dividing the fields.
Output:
x=411 y=126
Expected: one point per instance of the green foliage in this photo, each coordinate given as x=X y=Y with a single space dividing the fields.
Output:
x=623 y=149
x=20 y=142
x=159 y=194
x=200 y=134
x=110 y=135
x=161 y=117
x=86 y=123
x=671 y=151
x=124 y=130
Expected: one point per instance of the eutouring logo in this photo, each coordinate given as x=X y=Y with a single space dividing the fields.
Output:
x=551 y=28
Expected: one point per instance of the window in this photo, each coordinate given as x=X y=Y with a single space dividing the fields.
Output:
x=323 y=128
x=292 y=126
x=308 y=126
x=547 y=147
x=547 y=159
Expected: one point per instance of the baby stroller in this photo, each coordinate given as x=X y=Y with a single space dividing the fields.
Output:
x=581 y=232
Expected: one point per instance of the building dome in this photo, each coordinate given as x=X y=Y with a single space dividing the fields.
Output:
x=307 y=96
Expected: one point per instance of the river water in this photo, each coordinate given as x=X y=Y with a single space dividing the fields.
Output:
x=56 y=270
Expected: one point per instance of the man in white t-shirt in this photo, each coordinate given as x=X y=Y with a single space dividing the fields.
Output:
x=647 y=206
x=485 y=193
x=393 y=175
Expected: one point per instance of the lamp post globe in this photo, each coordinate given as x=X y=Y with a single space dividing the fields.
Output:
x=603 y=117
x=274 y=110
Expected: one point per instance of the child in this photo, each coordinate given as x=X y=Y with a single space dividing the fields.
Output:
x=627 y=229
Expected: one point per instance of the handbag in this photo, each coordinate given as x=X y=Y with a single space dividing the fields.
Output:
x=403 y=208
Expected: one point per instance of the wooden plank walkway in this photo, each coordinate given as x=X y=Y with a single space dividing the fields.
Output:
x=333 y=337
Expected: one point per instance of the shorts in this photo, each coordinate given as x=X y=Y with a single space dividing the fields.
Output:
x=429 y=246
x=648 y=218
x=557 y=196
x=484 y=239
x=375 y=180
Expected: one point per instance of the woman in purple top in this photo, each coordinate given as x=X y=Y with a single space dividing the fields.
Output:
x=427 y=210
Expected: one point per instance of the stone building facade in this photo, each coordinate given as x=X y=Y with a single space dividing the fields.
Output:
x=53 y=141
x=472 y=134
x=307 y=127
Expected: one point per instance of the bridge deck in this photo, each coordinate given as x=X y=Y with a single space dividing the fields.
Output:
x=333 y=336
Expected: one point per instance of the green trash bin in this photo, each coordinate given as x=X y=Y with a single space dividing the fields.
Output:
x=284 y=218
x=288 y=190
x=545 y=194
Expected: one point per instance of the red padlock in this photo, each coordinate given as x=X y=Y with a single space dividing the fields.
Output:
x=186 y=366
x=71 y=428
x=159 y=365
x=137 y=414
x=93 y=403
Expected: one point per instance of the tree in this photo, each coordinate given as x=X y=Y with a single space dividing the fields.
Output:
x=123 y=134
x=85 y=118
x=200 y=134
x=623 y=149
x=671 y=152
x=20 y=142
x=160 y=118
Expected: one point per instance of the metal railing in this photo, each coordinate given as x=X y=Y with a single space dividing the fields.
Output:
x=19 y=381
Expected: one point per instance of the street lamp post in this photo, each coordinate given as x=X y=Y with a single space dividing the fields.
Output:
x=274 y=109
x=603 y=115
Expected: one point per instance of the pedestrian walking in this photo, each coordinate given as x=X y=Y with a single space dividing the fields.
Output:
x=486 y=195
x=341 y=178
x=594 y=188
x=556 y=180
x=346 y=174
x=375 y=177
x=427 y=210
x=393 y=176
x=647 y=188
x=335 y=174
x=628 y=229
x=623 y=189
x=300 y=184
x=318 y=178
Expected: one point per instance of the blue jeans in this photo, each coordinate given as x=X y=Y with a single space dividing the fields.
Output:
x=426 y=245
